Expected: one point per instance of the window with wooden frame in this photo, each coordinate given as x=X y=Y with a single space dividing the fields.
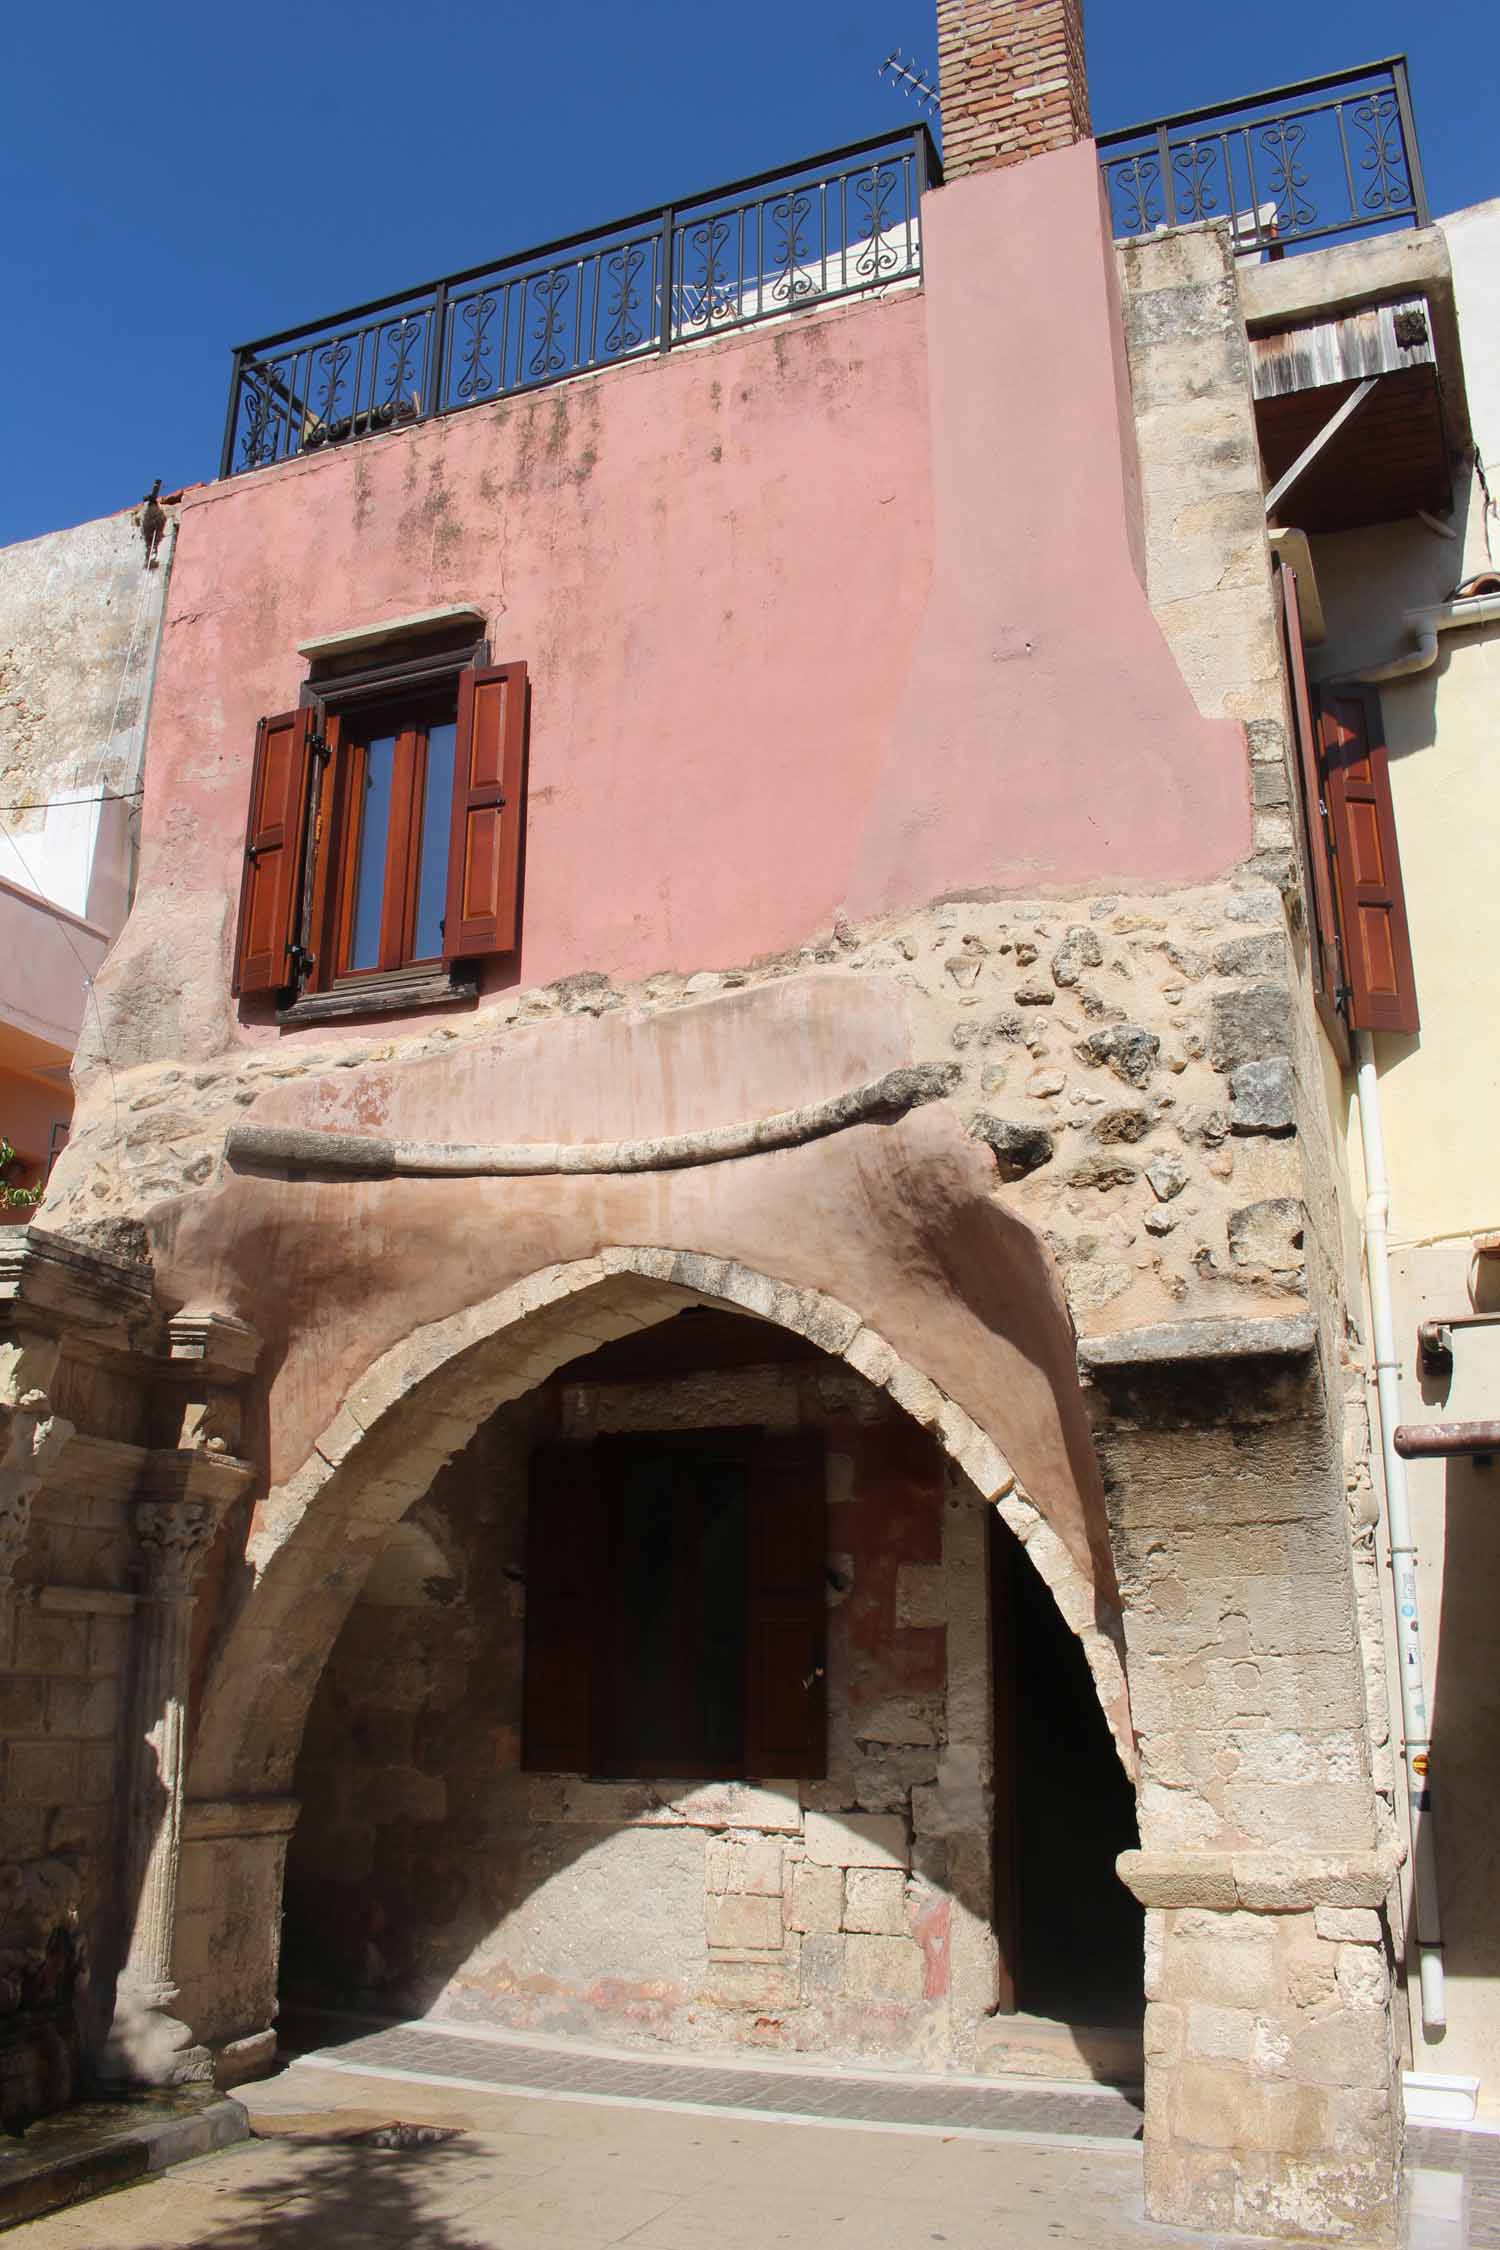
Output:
x=675 y=1608
x=1363 y=975
x=383 y=845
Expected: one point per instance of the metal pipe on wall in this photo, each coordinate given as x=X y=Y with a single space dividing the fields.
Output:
x=1414 y=1720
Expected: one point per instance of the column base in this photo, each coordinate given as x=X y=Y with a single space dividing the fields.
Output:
x=147 y=2045
x=244 y=2059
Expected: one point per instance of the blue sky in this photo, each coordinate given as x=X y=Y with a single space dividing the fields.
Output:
x=180 y=175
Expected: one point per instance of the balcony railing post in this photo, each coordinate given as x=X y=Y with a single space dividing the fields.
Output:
x=919 y=147
x=668 y=251
x=1164 y=160
x=1409 y=141
x=437 y=346
x=232 y=419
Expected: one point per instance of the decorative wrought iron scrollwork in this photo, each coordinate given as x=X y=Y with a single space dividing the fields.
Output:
x=1282 y=139
x=1136 y=182
x=333 y=362
x=624 y=267
x=549 y=292
x=769 y=246
x=477 y=313
x=258 y=441
x=791 y=213
x=1379 y=120
x=1193 y=196
x=874 y=190
x=707 y=294
x=405 y=341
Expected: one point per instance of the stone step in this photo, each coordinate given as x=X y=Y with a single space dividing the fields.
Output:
x=1038 y=2047
x=90 y=2147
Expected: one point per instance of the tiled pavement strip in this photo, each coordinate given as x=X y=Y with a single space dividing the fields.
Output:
x=873 y=2097
x=562 y=2148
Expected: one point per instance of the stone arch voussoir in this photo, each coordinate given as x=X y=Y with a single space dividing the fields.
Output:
x=316 y=1534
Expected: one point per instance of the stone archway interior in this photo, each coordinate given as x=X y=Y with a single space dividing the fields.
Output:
x=850 y=1914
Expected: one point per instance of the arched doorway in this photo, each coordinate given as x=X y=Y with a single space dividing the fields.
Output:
x=942 y=1850
x=318 y=1537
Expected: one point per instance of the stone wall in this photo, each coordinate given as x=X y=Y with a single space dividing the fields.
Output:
x=1126 y=1056
x=80 y=611
x=848 y=1915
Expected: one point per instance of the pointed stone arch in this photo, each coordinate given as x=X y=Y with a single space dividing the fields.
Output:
x=316 y=1535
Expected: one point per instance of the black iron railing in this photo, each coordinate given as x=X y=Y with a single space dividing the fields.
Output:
x=1329 y=157
x=757 y=250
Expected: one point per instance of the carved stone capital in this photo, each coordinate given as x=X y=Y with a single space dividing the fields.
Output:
x=183 y=1500
x=175 y=1535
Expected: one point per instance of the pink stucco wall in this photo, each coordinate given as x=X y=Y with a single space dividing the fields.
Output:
x=825 y=618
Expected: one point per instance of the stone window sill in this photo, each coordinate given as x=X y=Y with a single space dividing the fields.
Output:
x=402 y=992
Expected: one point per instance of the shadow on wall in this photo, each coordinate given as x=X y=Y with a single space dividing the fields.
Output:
x=429 y=1872
x=1466 y=1728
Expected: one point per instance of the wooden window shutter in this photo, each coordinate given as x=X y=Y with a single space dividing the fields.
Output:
x=1367 y=866
x=274 y=838
x=1322 y=914
x=562 y=1571
x=484 y=858
x=786 y=1542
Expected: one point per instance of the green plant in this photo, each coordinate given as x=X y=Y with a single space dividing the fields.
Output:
x=14 y=1198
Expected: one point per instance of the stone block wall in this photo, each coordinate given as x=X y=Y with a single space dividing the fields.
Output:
x=847 y=1915
x=1208 y=573
x=65 y=1661
x=1272 y=2032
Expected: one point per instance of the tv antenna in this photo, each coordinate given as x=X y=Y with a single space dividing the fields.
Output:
x=912 y=78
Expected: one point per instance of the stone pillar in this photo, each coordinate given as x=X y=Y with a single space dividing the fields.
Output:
x=226 y=1955
x=1269 y=2054
x=1272 y=2096
x=186 y=1495
x=1012 y=78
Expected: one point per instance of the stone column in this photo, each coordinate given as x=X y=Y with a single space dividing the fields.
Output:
x=187 y=1495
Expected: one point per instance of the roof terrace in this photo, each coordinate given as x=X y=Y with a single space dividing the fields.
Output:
x=1325 y=160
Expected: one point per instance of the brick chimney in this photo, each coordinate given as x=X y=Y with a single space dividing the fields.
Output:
x=1012 y=80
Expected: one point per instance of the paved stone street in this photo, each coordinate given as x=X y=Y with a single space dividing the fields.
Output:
x=535 y=2147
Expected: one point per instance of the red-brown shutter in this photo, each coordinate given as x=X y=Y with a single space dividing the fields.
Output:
x=1322 y=915
x=562 y=1563
x=484 y=856
x=274 y=837
x=786 y=1563
x=1367 y=867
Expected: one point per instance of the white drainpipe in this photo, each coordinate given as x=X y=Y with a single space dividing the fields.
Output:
x=1445 y=617
x=1414 y=1721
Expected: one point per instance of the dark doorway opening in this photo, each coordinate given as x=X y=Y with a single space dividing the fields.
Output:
x=1071 y=1936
